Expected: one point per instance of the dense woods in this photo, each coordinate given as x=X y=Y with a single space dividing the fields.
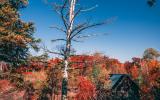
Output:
x=78 y=77
x=89 y=77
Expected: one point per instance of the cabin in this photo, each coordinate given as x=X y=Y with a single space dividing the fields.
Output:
x=124 y=88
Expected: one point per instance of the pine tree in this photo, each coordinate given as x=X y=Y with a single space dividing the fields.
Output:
x=16 y=36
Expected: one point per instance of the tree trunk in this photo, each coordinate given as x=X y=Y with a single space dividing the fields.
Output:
x=67 y=50
x=65 y=81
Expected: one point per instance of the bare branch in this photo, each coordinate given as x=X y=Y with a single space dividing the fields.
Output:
x=62 y=14
x=84 y=27
x=61 y=49
x=79 y=26
x=56 y=8
x=58 y=28
x=89 y=9
x=60 y=11
x=55 y=40
x=48 y=51
x=89 y=35
x=75 y=40
x=86 y=36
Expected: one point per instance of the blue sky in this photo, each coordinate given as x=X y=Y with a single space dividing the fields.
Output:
x=136 y=28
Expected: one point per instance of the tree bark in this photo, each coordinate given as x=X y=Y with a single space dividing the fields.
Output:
x=67 y=50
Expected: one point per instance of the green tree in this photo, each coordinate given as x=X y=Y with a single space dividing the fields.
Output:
x=16 y=36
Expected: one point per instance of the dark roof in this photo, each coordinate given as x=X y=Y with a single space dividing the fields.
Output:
x=115 y=78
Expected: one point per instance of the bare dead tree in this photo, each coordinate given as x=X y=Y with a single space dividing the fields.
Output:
x=68 y=12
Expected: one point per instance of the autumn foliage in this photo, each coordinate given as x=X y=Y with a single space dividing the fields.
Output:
x=37 y=77
x=90 y=70
x=86 y=89
x=89 y=73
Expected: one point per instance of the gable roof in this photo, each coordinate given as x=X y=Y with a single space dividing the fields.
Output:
x=115 y=78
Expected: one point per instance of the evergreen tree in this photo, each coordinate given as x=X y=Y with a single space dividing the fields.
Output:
x=16 y=36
